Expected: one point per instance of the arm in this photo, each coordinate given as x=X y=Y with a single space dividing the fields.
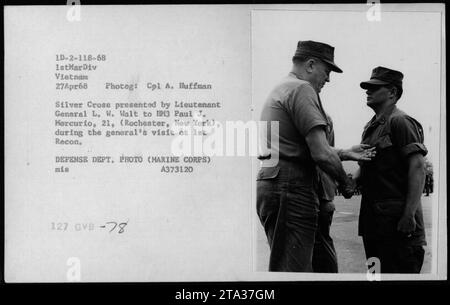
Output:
x=408 y=135
x=416 y=180
x=327 y=159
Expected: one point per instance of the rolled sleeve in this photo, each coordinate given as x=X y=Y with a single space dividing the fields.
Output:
x=412 y=148
x=304 y=105
x=407 y=135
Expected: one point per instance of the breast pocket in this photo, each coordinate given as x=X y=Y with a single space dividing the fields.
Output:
x=384 y=142
x=384 y=158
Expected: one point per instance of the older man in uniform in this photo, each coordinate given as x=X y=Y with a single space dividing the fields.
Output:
x=287 y=200
x=391 y=221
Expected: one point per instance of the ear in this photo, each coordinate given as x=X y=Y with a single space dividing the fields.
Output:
x=394 y=91
x=309 y=65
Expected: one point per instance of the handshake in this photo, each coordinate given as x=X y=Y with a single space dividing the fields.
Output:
x=347 y=189
x=360 y=153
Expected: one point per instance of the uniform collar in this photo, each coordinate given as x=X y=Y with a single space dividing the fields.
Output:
x=292 y=74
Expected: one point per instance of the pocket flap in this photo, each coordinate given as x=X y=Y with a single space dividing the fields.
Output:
x=390 y=207
x=268 y=173
x=384 y=141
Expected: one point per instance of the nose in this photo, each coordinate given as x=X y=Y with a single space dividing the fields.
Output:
x=328 y=78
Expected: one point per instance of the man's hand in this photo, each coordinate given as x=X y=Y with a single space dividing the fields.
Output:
x=327 y=158
x=347 y=189
x=360 y=152
x=407 y=225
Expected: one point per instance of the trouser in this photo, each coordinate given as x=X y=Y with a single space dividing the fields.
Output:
x=324 y=254
x=427 y=190
x=287 y=206
x=395 y=257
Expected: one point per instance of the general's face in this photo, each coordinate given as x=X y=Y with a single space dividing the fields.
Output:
x=320 y=75
x=377 y=95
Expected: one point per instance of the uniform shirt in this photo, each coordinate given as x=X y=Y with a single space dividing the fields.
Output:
x=296 y=106
x=384 y=180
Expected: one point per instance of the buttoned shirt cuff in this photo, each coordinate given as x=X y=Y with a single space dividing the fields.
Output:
x=414 y=148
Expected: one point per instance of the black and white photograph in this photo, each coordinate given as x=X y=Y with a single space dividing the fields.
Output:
x=358 y=98
x=224 y=143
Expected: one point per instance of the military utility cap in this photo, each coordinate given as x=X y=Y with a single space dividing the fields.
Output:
x=383 y=76
x=319 y=50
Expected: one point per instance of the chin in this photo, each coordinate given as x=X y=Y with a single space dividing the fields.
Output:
x=370 y=104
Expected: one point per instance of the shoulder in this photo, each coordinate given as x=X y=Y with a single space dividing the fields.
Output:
x=290 y=84
x=304 y=87
x=407 y=131
x=302 y=91
x=296 y=92
x=399 y=119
